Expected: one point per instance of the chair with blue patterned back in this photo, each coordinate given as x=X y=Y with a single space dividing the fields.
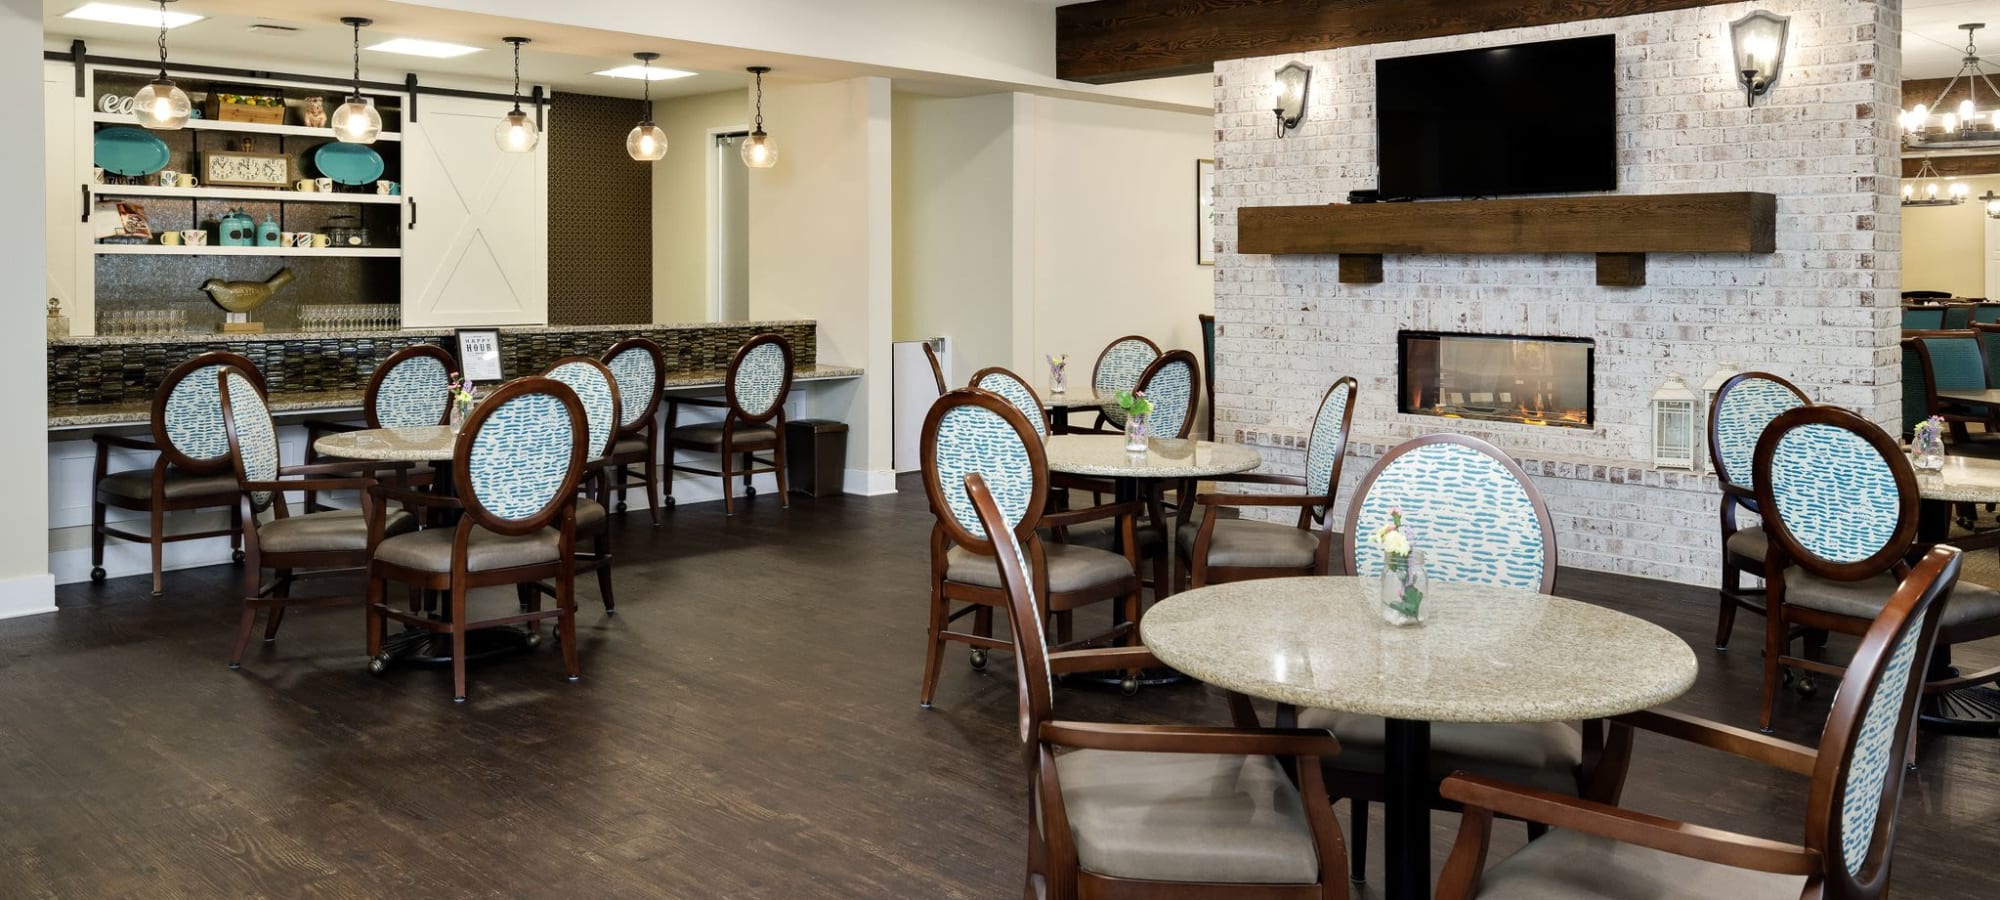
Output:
x=596 y=388
x=1003 y=381
x=1742 y=407
x=410 y=389
x=1957 y=316
x=190 y=468
x=1857 y=772
x=1119 y=368
x=1923 y=318
x=295 y=547
x=1951 y=361
x=1173 y=384
x=641 y=369
x=968 y=431
x=1217 y=549
x=1152 y=810
x=759 y=380
x=518 y=460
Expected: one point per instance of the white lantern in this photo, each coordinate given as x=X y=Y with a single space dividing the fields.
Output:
x=1724 y=371
x=1673 y=425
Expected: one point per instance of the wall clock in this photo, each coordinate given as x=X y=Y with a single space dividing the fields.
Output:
x=237 y=169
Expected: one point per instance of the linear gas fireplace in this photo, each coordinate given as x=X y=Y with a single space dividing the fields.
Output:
x=1496 y=378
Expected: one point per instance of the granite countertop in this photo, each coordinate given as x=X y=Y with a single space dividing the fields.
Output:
x=241 y=337
x=292 y=405
x=1964 y=479
x=1104 y=456
x=1483 y=654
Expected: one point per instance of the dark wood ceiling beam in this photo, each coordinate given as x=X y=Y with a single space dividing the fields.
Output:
x=1110 y=41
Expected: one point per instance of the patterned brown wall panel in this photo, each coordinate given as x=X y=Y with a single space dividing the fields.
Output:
x=600 y=215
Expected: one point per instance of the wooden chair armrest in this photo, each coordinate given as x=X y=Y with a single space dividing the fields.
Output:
x=1102 y=659
x=1259 y=478
x=1092 y=514
x=312 y=484
x=1629 y=827
x=1192 y=739
x=1750 y=745
x=413 y=497
x=128 y=443
x=1256 y=500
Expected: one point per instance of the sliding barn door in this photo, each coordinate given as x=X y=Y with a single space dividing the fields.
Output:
x=476 y=232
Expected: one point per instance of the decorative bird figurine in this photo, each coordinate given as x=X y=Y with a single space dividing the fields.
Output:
x=244 y=296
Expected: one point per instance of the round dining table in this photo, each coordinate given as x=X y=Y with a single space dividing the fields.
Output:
x=1058 y=406
x=1483 y=654
x=1974 y=710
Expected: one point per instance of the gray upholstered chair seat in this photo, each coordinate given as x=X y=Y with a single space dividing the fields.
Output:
x=711 y=433
x=1749 y=543
x=1970 y=602
x=430 y=550
x=1253 y=543
x=1071 y=568
x=1543 y=755
x=340 y=529
x=628 y=445
x=1103 y=535
x=138 y=484
x=1186 y=817
x=1569 y=865
x=588 y=512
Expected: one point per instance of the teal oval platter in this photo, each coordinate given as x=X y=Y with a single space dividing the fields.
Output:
x=348 y=163
x=130 y=152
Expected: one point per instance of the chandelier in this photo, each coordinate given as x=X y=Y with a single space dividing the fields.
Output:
x=1930 y=188
x=1967 y=122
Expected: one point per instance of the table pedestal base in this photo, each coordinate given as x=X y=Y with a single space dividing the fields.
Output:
x=1407 y=848
x=430 y=648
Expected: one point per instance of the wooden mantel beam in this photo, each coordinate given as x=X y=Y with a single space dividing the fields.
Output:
x=1109 y=41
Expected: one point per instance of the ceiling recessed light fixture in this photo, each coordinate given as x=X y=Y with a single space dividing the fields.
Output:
x=120 y=14
x=643 y=72
x=420 y=47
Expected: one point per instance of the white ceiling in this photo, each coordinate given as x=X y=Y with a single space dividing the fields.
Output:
x=1933 y=47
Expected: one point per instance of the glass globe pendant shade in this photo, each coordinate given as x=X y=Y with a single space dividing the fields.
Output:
x=516 y=133
x=759 y=151
x=357 y=121
x=647 y=142
x=161 y=105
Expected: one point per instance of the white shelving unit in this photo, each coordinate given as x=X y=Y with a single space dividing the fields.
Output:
x=206 y=250
x=242 y=127
x=254 y=194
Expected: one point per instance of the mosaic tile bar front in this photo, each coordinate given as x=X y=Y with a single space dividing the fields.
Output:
x=120 y=370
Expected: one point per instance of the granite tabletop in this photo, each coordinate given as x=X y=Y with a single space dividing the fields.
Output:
x=1964 y=479
x=1104 y=456
x=429 y=443
x=1483 y=654
x=1072 y=399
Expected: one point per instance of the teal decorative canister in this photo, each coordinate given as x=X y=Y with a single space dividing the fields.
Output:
x=267 y=233
x=236 y=229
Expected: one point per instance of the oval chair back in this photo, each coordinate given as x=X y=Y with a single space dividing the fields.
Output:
x=1858 y=776
x=1016 y=389
x=253 y=440
x=411 y=389
x=639 y=369
x=187 y=412
x=1742 y=408
x=1326 y=447
x=1837 y=495
x=1119 y=368
x=1923 y=318
x=1466 y=505
x=1032 y=677
x=521 y=454
x=1172 y=382
x=973 y=431
x=597 y=391
x=760 y=377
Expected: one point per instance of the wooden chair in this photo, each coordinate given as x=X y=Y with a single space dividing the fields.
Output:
x=1478 y=520
x=1957 y=316
x=1840 y=501
x=1219 y=549
x=1601 y=850
x=1173 y=383
x=1923 y=318
x=1743 y=407
x=937 y=368
x=970 y=430
x=1208 y=369
x=1988 y=335
x=518 y=459
x=1952 y=361
x=1016 y=390
x=334 y=542
x=760 y=378
x=641 y=372
x=1119 y=368
x=594 y=384
x=410 y=389
x=1149 y=811
x=192 y=470
x=1985 y=313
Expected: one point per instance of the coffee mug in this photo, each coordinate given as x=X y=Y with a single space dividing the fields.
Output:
x=169 y=178
x=325 y=185
x=170 y=238
x=320 y=240
x=194 y=237
x=388 y=188
x=298 y=238
x=187 y=180
x=306 y=185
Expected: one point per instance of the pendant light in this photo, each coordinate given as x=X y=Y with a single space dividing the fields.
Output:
x=648 y=141
x=161 y=105
x=357 y=121
x=759 y=152
x=517 y=132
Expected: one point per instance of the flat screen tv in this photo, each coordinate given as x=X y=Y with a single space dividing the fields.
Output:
x=1521 y=119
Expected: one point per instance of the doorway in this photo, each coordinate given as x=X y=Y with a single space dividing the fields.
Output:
x=728 y=228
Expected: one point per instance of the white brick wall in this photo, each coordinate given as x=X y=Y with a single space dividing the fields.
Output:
x=1821 y=311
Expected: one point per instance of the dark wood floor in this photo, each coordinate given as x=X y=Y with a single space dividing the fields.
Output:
x=747 y=726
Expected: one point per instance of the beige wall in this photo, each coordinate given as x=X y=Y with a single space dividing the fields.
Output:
x=680 y=200
x=25 y=583
x=954 y=225
x=1944 y=247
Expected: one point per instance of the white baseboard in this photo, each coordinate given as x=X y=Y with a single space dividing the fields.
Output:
x=869 y=482
x=27 y=595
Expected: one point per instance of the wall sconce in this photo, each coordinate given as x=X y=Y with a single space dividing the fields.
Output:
x=1288 y=95
x=1673 y=425
x=1759 y=41
x=1992 y=204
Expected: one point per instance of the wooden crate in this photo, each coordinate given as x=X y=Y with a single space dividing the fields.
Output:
x=262 y=107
